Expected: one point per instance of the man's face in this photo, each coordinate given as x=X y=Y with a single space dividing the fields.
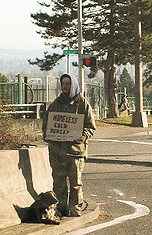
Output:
x=65 y=86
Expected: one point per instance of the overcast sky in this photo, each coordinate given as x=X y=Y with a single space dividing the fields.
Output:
x=16 y=28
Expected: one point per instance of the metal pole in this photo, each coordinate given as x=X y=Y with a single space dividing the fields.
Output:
x=80 y=47
x=139 y=117
x=125 y=91
x=47 y=88
x=138 y=63
x=25 y=90
x=20 y=101
x=68 y=63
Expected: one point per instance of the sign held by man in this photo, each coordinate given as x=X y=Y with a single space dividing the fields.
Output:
x=64 y=126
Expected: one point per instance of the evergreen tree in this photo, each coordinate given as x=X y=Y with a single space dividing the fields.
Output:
x=126 y=81
x=148 y=75
x=3 y=90
x=3 y=78
x=108 y=28
x=48 y=62
x=147 y=58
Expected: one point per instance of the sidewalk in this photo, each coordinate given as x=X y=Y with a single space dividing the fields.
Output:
x=113 y=130
x=67 y=224
x=102 y=133
x=119 y=134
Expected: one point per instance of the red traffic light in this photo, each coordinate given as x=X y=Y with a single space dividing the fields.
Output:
x=89 y=61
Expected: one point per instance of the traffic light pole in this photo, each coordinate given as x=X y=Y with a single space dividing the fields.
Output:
x=68 y=62
x=80 y=48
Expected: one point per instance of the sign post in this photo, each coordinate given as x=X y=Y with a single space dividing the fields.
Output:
x=70 y=52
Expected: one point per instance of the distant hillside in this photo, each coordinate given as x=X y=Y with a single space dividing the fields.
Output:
x=20 y=53
x=15 y=61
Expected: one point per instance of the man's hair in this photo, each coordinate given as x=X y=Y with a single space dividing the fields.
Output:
x=64 y=76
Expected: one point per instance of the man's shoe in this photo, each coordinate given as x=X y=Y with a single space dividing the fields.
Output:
x=84 y=205
x=63 y=211
x=75 y=213
x=77 y=210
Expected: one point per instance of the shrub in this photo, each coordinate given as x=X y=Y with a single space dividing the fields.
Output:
x=13 y=134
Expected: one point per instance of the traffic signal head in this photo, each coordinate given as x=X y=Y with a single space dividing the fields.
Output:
x=89 y=61
x=75 y=64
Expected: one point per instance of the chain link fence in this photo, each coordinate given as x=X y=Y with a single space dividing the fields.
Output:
x=20 y=93
x=15 y=93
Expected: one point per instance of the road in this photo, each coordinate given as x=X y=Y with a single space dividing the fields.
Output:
x=107 y=184
x=123 y=190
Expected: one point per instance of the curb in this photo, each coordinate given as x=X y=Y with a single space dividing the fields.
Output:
x=95 y=159
x=70 y=224
x=66 y=225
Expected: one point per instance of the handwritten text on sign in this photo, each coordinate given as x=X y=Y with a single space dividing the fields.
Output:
x=64 y=126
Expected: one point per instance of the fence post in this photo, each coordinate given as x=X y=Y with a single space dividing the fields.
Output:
x=20 y=98
x=25 y=90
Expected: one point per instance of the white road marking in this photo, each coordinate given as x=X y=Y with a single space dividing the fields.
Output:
x=117 y=191
x=93 y=195
x=140 y=210
x=122 y=141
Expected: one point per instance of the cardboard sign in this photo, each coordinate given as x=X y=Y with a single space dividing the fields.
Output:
x=64 y=126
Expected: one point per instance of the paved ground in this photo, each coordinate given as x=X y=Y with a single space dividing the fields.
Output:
x=100 y=150
x=113 y=130
x=121 y=143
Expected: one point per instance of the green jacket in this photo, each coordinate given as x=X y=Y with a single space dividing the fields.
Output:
x=78 y=105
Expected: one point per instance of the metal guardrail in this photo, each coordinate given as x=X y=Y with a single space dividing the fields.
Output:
x=24 y=109
x=147 y=111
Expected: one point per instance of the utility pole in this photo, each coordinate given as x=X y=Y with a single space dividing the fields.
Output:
x=68 y=62
x=80 y=47
x=139 y=117
x=47 y=88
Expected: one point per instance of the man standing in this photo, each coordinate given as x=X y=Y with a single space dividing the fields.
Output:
x=67 y=157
